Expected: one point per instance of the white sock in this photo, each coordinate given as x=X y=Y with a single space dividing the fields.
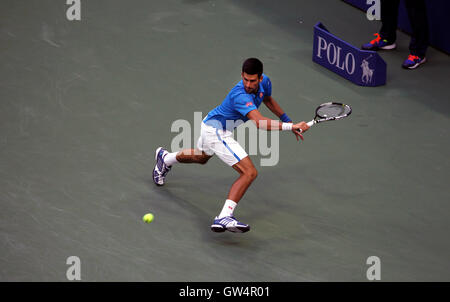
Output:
x=171 y=158
x=228 y=208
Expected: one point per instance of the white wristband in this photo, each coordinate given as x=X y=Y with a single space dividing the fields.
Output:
x=286 y=126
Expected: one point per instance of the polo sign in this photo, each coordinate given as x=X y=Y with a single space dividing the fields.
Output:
x=362 y=67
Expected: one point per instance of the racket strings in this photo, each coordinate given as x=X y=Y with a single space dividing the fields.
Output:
x=332 y=110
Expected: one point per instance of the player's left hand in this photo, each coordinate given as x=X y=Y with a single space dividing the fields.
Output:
x=297 y=134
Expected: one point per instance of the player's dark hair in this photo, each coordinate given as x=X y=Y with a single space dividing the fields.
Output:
x=253 y=66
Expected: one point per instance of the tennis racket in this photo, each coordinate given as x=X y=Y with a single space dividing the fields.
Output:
x=329 y=112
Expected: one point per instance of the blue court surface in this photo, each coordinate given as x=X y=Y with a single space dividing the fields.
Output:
x=85 y=103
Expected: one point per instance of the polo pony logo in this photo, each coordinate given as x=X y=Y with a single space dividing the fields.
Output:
x=248 y=104
x=367 y=73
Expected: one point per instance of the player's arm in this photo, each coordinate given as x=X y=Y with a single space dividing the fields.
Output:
x=273 y=106
x=266 y=123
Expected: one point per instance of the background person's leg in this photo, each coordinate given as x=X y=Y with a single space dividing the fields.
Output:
x=417 y=13
x=389 y=19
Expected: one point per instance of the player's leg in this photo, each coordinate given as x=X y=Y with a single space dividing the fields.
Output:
x=229 y=151
x=188 y=156
x=247 y=174
x=165 y=160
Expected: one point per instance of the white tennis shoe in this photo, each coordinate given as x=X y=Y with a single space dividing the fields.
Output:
x=161 y=169
x=229 y=223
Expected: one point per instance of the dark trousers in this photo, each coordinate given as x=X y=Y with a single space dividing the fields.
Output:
x=417 y=14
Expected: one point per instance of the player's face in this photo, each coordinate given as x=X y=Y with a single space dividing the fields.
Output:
x=251 y=82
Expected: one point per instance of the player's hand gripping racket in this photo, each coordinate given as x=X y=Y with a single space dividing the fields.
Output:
x=329 y=112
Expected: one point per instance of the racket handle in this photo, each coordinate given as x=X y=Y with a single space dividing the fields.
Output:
x=310 y=123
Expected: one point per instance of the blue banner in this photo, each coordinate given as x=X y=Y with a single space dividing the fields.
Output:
x=362 y=67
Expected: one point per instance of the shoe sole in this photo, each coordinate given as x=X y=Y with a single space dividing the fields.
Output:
x=387 y=47
x=156 y=153
x=156 y=158
x=416 y=65
x=220 y=229
x=238 y=230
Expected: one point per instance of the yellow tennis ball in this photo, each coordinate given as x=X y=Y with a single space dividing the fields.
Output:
x=148 y=218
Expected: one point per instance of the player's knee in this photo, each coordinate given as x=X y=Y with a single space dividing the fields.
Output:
x=254 y=174
x=251 y=174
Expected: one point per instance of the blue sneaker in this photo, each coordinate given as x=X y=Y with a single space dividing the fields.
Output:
x=229 y=223
x=413 y=62
x=378 y=43
x=161 y=169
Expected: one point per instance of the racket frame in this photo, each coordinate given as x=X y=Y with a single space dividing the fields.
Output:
x=317 y=119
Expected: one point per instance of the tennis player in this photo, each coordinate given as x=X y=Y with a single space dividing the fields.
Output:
x=216 y=137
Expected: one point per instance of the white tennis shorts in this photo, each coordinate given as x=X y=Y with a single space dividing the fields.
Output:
x=220 y=142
